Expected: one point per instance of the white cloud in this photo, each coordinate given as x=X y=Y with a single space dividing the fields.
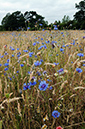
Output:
x=51 y=10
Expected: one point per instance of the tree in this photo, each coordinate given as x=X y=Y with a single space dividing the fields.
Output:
x=65 y=19
x=80 y=15
x=13 y=21
x=34 y=20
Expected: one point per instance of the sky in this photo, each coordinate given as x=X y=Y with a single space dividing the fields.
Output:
x=52 y=10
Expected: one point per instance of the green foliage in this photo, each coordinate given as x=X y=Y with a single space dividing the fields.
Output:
x=13 y=21
x=33 y=20
x=80 y=15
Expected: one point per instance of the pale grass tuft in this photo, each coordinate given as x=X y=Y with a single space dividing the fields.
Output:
x=68 y=61
x=10 y=100
x=23 y=56
x=65 y=71
x=62 y=85
x=39 y=53
x=19 y=109
x=72 y=95
x=0 y=86
x=23 y=97
x=49 y=64
x=84 y=49
x=73 y=66
x=74 y=54
x=80 y=87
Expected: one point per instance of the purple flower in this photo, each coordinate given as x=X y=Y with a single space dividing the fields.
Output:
x=43 y=85
x=5 y=69
x=61 y=49
x=21 y=65
x=61 y=71
x=6 y=64
x=25 y=87
x=32 y=83
x=37 y=63
x=79 y=70
x=55 y=114
x=0 y=65
x=83 y=64
x=80 y=54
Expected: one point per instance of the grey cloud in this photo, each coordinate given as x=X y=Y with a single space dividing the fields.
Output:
x=51 y=10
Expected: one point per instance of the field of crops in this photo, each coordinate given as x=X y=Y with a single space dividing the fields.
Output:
x=42 y=79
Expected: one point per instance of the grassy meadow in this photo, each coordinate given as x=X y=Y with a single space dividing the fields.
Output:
x=42 y=79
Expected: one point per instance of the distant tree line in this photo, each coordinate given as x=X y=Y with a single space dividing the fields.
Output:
x=33 y=21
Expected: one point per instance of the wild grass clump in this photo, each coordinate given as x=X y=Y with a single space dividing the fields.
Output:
x=42 y=80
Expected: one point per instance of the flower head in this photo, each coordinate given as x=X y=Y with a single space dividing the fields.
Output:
x=59 y=127
x=43 y=85
x=55 y=114
x=37 y=63
x=61 y=71
x=25 y=87
x=80 y=54
x=79 y=70
x=33 y=83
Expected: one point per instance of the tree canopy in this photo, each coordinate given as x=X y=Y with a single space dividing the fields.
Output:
x=80 y=15
x=13 y=21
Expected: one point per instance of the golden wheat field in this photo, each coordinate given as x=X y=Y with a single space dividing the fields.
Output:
x=42 y=79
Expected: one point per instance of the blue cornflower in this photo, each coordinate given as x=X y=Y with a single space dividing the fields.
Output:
x=61 y=49
x=61 y=32
x=12 y=49
x=61 y=71
x=25 y=50
x=38 y=73
x=12 y=55
x=29 y=72
x=35 y=56
x=25 y=87
x=21 y=65
x=28 y=28
x=34 y=44
x=7 y=60
x=17 y=71
x=83 y=64
x=79 y=70
x=44 y=46
x=30 y=54
x=40 y=24
x=43 y=85
x=32 y=83
x=49 y=80
x=55 y=114
x=2 y=56
x=0 y=65
x=50 y=88
x=6 y=64
x=5 y=69
x=37 y=63
x=40 y=47
x=56 y=63
x=17 y=48
x=41 y=60
x=55 y=28
x=80 y=54
x=5 y=53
